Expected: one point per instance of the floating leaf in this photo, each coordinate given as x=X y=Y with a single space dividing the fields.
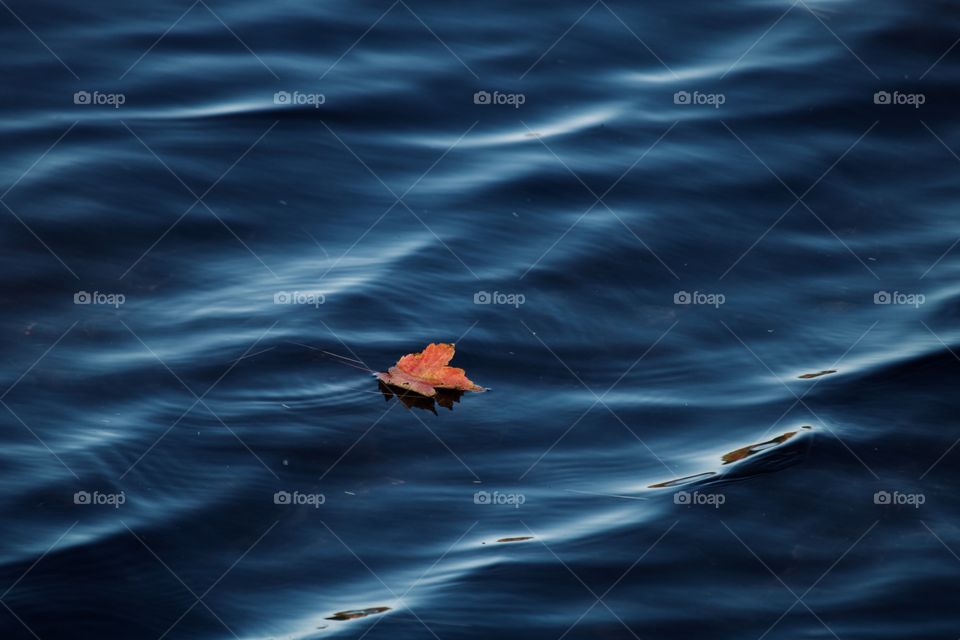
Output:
x=515 y=539
x=427 y=371
x=807 y=376
x=753 y=449
x=357 y=613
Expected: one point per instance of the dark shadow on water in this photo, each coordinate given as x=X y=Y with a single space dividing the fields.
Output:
x=446 y=398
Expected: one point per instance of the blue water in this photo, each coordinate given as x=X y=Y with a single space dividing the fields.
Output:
x=181 y=459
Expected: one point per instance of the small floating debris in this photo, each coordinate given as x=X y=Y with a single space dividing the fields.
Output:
x=746 y=452
x=752 y=451
x=353 y=614
x=515 y=539
x=807 y=376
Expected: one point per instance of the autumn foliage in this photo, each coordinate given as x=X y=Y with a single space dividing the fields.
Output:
x=427 y=371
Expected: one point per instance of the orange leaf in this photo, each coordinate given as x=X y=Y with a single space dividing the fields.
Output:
x=427 y=371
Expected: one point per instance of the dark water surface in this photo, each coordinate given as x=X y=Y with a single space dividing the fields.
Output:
x=675 y=210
